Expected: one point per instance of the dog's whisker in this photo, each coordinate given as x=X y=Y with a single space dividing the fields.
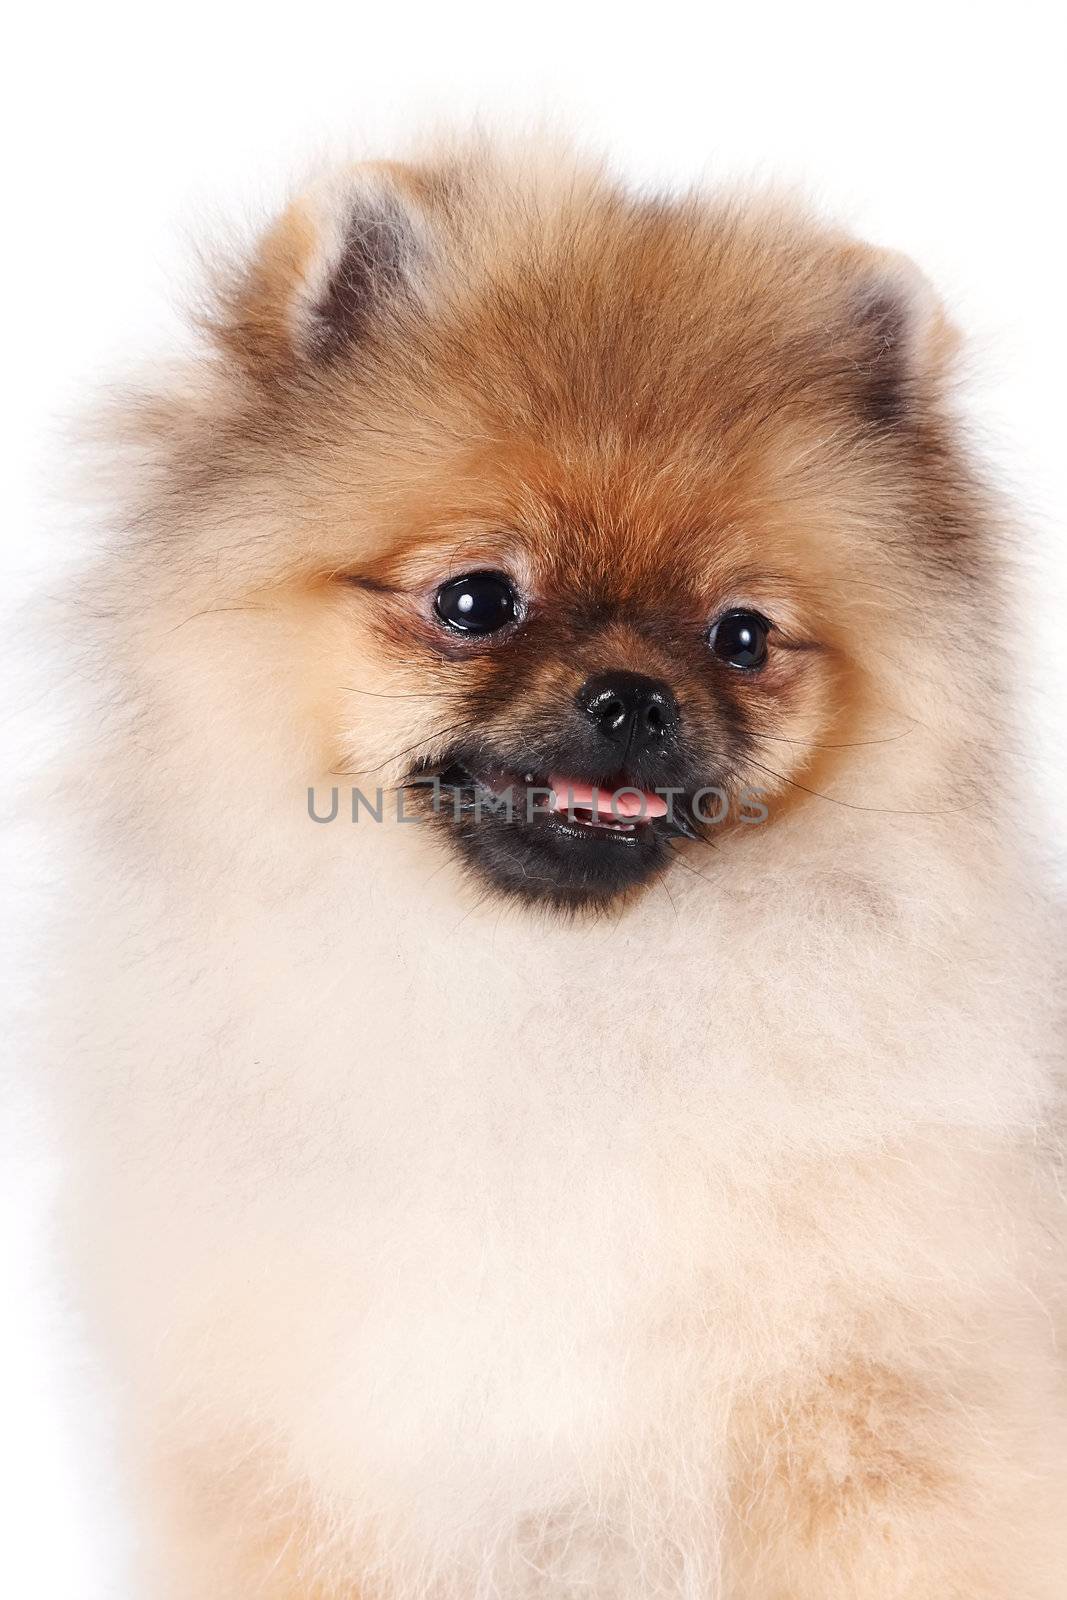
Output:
x=398 y=755
x=854 y=805
x=375 y=694
x=855 y=744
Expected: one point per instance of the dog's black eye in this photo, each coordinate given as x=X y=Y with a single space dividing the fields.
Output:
x=740 y=639
x=479 y=602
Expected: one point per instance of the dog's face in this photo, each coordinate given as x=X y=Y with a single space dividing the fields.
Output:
x=583 y=682
x=616 y=506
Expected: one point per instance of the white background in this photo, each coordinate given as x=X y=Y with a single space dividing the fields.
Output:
x=935 y=128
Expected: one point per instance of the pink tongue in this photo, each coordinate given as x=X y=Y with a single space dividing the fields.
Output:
x=604 y=802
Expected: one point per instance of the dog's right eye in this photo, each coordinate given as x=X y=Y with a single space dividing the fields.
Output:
x=479 y=602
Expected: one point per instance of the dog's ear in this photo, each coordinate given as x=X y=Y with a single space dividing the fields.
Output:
x=350 y=251
x=903 y=342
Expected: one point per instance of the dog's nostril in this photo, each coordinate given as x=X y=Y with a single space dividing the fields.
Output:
x=611 y=712
x=653 y=719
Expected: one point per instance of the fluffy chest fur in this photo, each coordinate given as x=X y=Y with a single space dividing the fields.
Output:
x=524 y=1219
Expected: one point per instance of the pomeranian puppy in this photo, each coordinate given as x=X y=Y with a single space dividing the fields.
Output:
x=558 y=1051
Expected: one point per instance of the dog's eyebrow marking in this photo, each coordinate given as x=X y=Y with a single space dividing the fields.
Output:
x=787 y=642
x=360 y=580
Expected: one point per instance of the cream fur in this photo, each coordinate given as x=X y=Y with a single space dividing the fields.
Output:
x=448 y=1250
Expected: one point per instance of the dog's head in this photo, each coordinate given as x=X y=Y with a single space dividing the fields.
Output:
x=626 y=513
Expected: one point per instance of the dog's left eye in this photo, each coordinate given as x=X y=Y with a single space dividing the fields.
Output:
x=479 y=602
x=740 y=639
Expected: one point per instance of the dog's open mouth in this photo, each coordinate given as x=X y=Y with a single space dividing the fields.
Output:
x=611 y=806
x=548 y=835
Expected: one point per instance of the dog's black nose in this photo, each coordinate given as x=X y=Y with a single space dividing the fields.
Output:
x=629 y=709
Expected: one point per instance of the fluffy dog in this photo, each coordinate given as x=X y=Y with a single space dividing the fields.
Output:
x=558 y=1053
